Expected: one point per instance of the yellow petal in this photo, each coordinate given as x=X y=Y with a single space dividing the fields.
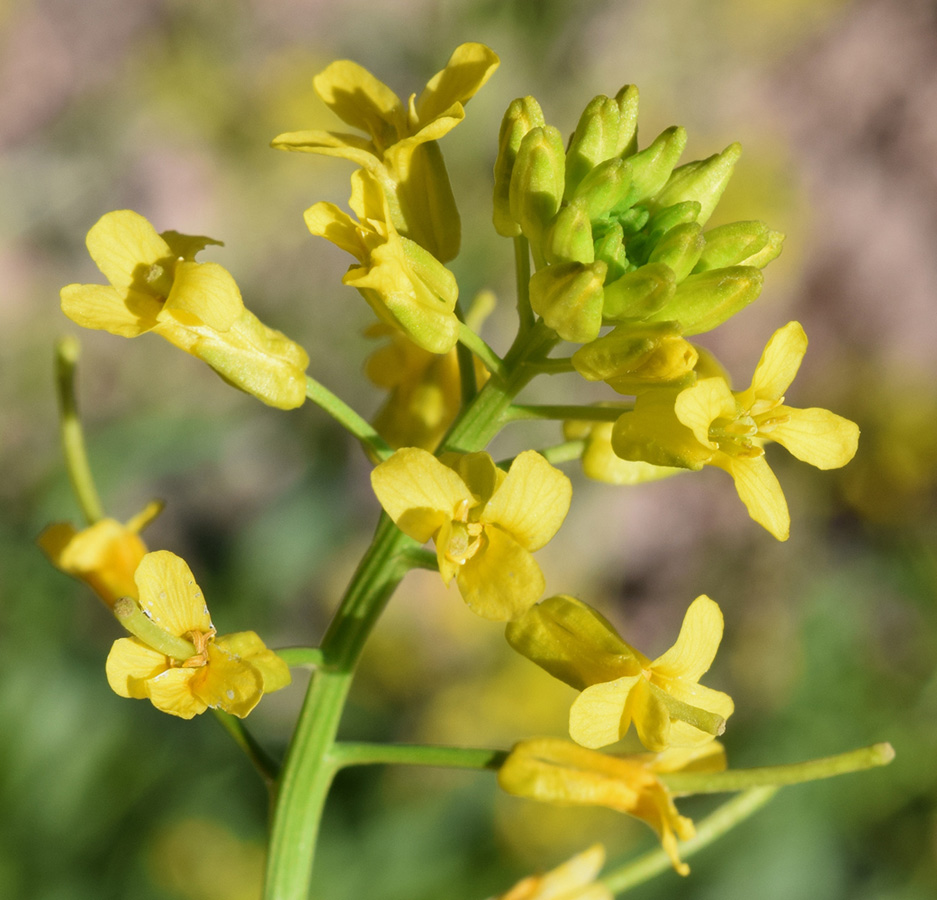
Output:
x=169 y=594
x=335 y=225
x=125 y=245
x=816 y=436
x=759 y=490
x=652 y=433
x=650 y=715
x=206 y=292
x=599 y=715
x=573 y=642
x=469 y=67
x=710 y=757
x=130 y=664
x=418 y=492
x=227 y=683
x=171 y=692
x=701 y=404
x=352 y=147
x=531 y=502
x=125 y=313
x=778 y=365
x=248 y=646
x=502 y=581
x=696 y=645
x=360 y=99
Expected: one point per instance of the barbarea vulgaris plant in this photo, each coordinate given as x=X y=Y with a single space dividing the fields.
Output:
x=614 y=255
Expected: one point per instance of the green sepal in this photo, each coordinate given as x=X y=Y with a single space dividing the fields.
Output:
x=609 y=247
x=573 y=642
x=569 y=298
x=703 y=181
x=523 y=115
x=569 y=237
x=537 y=182
x=627 y=99
x=594 y=141
x=652 y=167
x=729 y=244
x=639 y=294
x=680 y=249
x=704 y=301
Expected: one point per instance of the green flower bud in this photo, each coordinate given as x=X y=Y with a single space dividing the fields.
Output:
x=523 y=115
x=729 y=244
x=627 y=99
x=706 y=300
x=651 y=168
x=569 y=237
x=770 y=251
x=594 y=140
x=662 y=222
x=632 y=220
x=537 y=182
x=610 y=248
x=640 y=293
x=680 y=249
x=569 y=298
x=703 y=181
x=632 y=358
x=604 y=186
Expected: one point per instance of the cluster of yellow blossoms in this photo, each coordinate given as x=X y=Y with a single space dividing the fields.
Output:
x=625 y=267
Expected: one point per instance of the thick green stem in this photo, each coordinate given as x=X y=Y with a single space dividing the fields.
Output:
x=67 y=351
x=522 y=275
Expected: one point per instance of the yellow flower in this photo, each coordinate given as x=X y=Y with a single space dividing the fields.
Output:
x=708 y=424
x=573 y=880
x=557 y=771
x=405 y=285
x=619 y=685
x=104 y=555
x=156 y=285
x=484 y=521
x=401 y=150
x=174 y=658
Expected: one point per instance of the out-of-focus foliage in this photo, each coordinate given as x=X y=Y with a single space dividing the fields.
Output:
x=168 y=107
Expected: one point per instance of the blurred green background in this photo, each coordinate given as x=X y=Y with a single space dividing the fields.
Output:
x=167 y=107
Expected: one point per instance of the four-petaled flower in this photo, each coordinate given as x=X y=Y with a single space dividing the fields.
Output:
x=557 y=771
x=401 y=150
x=175 y=659
x=573 y=880
x=619 y=685
x=708 y=424
x=156 y=285
x=104 y=555
x=483 y=521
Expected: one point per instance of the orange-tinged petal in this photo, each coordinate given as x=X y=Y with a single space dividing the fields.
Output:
x=125 y=245
x=127 y=313
x=759 y=490
x=171 y=692
x=696 y=645
x=778 y=365
x=206 y=292
x=531 y=502
x=816 y=436
x=169 y=594
x=129 y=666
x=227 y=683
x=502 y=581
x=599 y=715
x=418 y=492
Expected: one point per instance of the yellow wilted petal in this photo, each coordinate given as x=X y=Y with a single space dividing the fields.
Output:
x=130 y=664
x=227 y=683
x=778 y=365
x=418 y=492
x=360 y=99
x=469 y=67
x=127 y=314
x=502 y=581
x=124 y=245
x=205 y=292
x=759 y=490
x=171 y=692
x=816 y=436
x=696 y=645
x=531 y=502
x=169 y=594
x=573 y=642
x=248 y=646
x=701 y=404
x=599 y=715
